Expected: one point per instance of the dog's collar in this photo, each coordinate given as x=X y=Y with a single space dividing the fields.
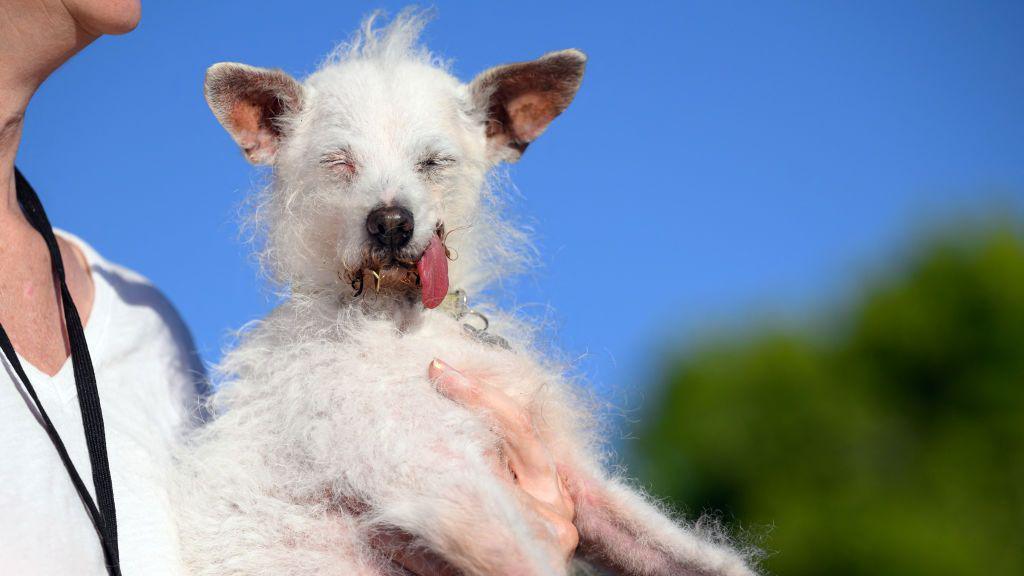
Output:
x=456 y=305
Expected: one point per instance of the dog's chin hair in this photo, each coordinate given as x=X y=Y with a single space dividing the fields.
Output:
x=385 y=287
x=383 y=278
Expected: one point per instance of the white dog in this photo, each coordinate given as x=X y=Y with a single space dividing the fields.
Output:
x=328 y=429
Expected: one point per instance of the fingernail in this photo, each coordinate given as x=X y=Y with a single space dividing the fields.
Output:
x=445 y=377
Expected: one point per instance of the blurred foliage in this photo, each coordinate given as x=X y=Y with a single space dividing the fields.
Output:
x=890 y=443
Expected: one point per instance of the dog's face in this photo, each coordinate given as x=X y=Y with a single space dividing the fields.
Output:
x=378 y=162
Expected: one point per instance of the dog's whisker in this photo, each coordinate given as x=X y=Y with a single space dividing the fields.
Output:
x=444 y=237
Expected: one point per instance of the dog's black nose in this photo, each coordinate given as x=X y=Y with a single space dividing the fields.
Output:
x=390 y=226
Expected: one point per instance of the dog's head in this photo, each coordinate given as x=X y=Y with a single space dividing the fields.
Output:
x=379 y=157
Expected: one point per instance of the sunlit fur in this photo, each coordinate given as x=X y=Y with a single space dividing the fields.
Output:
x=327 y=430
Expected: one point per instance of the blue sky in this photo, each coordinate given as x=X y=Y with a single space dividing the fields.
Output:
x=722 y=159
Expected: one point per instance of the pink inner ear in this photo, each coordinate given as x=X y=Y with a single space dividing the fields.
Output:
x=530 y=114
x=250 y=131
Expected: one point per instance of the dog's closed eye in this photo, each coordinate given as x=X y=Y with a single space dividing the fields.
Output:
x=434 y=162
x=339 y=162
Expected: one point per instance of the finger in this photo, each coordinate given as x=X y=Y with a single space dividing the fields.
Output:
x=472 y=393
x=542 y=485
x=550 y=490
x=527 y=455
x=561 y=530
x=523 y=447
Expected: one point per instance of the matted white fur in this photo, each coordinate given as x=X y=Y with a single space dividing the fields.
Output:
x=327 y=430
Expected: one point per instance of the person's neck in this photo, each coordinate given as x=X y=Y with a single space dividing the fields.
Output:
x=29 y=56
x=12 y=114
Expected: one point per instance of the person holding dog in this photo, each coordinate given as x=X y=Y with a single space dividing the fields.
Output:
x=99 y=376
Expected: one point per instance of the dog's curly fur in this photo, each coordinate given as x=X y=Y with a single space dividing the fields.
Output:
x=327 y=430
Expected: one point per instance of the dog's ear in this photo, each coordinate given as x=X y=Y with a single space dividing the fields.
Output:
x=521 y=99
x=253 y=104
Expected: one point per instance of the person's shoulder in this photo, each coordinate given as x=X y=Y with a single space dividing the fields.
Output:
x=136 y=305
x=130 y=287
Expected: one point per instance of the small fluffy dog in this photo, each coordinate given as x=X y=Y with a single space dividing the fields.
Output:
x=328 y=430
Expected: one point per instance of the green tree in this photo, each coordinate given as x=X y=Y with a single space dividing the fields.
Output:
x=890 y=442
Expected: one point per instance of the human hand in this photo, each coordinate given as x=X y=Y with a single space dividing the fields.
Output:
x=523 y=461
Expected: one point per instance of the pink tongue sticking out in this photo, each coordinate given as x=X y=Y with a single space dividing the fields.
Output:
x=433 y=271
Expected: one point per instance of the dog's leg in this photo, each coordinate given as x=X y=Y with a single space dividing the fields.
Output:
x=237 y=547
x=231 y=525
x=621 y=530
x=274 y=538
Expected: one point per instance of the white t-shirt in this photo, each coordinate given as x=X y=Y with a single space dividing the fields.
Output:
x=148 y=377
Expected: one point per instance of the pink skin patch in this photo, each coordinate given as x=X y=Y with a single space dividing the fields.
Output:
x=433 y=270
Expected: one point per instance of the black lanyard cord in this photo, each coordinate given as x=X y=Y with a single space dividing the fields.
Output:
x=103 y=516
